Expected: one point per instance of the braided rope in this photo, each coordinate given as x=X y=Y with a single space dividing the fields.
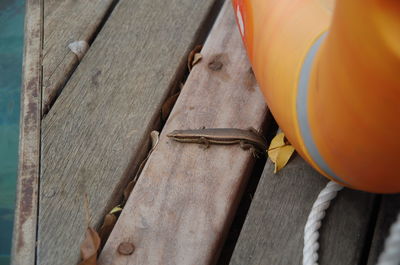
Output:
x=311 y=234
x=391 y=252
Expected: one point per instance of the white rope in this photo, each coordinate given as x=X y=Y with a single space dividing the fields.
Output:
x=311 y=234
x=391 y=252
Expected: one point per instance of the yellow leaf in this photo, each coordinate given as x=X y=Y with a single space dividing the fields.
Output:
x=116 y=209
x=280 y=151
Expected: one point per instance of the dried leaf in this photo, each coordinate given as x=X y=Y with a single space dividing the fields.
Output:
x=107 y=226
x=192 y=56
x=89 y=247
x=168 y=105
x=155 y=137
x=197 y=58
x=280 y=151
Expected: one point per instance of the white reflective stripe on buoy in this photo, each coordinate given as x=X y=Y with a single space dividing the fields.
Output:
x=302 y=110
x=240 y=20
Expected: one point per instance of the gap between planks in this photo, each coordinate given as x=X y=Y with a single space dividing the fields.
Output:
x=186 y=197
x=65 y=22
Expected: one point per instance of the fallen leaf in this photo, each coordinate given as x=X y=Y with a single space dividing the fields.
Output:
x=116 y=209
x=155 y=138
x=197 y=58
x=89 y=247
x=108 y=224
x=280 y=151
x=194 y=56
x=168 y=105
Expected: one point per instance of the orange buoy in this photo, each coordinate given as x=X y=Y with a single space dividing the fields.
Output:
x=330 y=73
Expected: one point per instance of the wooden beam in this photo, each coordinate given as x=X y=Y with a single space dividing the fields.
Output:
x=273 y=230
x=389 y=208
x=95 y=135
x=183 y=204
x=67 y=21
x=24 y=237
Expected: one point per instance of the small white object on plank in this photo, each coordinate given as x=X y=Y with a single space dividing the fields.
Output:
x=183 y=203
x=79 y=48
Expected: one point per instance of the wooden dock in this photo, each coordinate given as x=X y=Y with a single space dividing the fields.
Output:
x=87 y=118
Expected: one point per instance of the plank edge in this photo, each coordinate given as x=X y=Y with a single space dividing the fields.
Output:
x=25 y=220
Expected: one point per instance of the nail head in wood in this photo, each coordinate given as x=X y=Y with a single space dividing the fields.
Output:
x=126 y=248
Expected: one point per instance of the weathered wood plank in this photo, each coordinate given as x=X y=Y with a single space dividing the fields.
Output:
x=24 y=237
x=95 y=134
x=273 y=230
x=185 y=199
x=388 y=210
x=65 y=22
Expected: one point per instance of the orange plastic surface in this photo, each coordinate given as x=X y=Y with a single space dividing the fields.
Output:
x=354 y=89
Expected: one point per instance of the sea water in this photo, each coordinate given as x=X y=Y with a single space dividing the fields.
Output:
x=11 y=47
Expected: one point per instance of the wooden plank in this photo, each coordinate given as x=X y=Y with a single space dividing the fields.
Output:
x=186 y=197
x=96 y=133
x=65 y=22
x=24 y=237
x=388 y=210
x=273 y=230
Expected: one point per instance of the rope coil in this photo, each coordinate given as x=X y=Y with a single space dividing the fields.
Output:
x=390 y=254
x=311 y=234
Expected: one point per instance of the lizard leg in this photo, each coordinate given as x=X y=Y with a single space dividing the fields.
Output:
x=247 y=146
x=204 y=143
x=254 y=130
x=256 y=153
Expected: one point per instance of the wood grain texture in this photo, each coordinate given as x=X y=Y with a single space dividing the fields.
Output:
x=185 y=199
x=273 y=230
x=65 y=22
x=96 y=133
x=388 y=210
x=24 y=237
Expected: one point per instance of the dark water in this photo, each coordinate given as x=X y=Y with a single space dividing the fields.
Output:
x=11 y=45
